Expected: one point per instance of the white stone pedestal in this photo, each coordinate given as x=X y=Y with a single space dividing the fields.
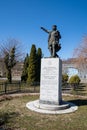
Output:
x=50 y=101
x=50 y=85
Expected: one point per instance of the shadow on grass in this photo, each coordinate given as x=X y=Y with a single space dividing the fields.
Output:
x=5 y=118
x=79 y=102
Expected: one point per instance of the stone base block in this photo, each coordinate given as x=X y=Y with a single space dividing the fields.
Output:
x=50 y=83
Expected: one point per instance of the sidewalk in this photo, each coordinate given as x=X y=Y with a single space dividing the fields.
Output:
x=11 y=96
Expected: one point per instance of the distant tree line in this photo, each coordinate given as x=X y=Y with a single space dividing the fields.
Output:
x=11 y=53
x=32 y=64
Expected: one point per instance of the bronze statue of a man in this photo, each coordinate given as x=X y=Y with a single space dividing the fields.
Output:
x=53 y=40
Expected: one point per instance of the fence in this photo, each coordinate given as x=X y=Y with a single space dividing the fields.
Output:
x=18 y=87
x=6 y=88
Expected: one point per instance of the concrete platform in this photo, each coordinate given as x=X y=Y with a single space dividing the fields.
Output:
x=66 y=107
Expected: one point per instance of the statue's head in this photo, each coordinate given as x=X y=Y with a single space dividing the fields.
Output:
x=54 y=27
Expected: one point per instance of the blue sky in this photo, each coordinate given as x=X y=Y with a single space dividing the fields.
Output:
x=22 y=19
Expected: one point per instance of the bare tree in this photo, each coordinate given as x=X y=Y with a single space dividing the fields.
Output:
x=7 y=45
x=11 y=53
x=80 y=53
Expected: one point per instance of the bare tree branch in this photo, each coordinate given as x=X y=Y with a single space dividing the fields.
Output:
x=80 y=53
x=7 y=45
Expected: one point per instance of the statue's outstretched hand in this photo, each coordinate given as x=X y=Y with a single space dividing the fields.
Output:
x=41 y=27
x=44 y=29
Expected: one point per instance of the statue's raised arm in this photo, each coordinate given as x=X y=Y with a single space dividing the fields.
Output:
x=44 y=29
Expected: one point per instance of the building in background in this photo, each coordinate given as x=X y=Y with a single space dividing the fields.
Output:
x=16 y=70
x=2 y=68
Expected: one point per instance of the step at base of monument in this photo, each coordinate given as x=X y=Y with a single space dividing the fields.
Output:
x=66 y=107
x=51 y=107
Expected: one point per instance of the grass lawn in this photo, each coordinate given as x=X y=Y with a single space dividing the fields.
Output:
x=15 y=116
